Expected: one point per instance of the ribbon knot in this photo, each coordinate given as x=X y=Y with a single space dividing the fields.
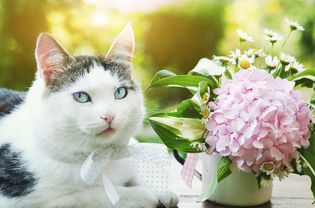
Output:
x=147 y=160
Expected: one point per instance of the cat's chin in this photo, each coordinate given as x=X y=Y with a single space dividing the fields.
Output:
x=102 y=133
x=107 y=132
x=106 y=136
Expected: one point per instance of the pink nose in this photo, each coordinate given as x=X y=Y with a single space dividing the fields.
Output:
x=108 y=119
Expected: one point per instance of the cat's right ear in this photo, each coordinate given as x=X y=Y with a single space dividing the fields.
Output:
x=124 y=45
x=50 y=56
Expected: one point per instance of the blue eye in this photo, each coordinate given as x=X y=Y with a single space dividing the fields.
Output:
x=81 y=97
x=121 y=93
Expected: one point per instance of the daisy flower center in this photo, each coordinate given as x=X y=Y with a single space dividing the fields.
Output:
x=268 y=167
x=244 y=64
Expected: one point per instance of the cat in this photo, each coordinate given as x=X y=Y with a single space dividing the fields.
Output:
x=75 y=104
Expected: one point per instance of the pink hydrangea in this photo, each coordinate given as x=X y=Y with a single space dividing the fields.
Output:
x=257 y=118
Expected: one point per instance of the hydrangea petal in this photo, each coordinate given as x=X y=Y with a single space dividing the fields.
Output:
x=257 y=118
x=237 y=124
x=276 y=153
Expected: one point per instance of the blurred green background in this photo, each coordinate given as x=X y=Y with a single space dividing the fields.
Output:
x=170 y=34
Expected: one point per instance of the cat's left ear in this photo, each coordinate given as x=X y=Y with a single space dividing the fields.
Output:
x=50 y=56
x=123 y=47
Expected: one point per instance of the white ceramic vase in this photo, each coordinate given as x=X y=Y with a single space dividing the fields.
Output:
x=238 y=189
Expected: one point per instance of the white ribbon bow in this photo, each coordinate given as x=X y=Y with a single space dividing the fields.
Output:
x=149 y=162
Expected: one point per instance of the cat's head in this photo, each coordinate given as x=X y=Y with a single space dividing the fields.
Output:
x=87 y=99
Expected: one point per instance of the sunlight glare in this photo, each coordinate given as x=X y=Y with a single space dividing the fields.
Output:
x=98 y=18
x=127 y=6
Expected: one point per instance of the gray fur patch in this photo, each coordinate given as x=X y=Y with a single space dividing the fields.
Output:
x=9 y=100
x=15 y=179
x=81 y=65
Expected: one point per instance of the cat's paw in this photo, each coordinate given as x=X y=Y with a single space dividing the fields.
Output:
x=169 y=200
x=138 y=197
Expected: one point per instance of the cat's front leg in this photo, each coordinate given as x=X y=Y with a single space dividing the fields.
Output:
x=169 y=198
x=91 y=198
x=136 y=197
x=130 y=197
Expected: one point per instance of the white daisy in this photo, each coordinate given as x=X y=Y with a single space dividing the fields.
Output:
x=234 y=55
x=272 y=36
x=222 y=59
x=286 y=59
x=268 y=167
x=298 y=164
x=244 y=36
x=283 y=174
x=245 y=62
x=255 y=52
x=295 y=67
x=203 y=100
x=268 y=32
x=294 y=25
x=272 y=62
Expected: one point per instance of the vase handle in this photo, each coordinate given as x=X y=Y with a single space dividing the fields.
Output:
x=181 y=160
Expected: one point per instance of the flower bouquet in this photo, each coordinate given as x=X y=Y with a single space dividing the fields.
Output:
x=252 y=108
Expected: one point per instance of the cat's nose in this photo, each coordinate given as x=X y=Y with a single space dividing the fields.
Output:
x=108 y=118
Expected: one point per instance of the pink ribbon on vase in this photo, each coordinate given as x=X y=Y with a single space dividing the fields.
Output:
x=187 y=172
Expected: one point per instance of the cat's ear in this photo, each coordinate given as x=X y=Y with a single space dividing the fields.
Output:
x=123 y=47
x=50 y=56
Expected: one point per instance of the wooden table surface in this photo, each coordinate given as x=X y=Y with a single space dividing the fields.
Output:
x=293 y=192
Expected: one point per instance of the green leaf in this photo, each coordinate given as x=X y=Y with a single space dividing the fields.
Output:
x=184 y=81
x=307 y=156
x=212 y=78
x=223 y=171
x=308 y=94
x=187 y=109
x=162 y=74
x=202 y=88
x=227 y=74
x=304 y=82
x=190 y=128
x=172 y=140
x=306 y=74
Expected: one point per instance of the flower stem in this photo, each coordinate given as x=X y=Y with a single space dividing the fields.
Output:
x=279 y=71
x=235 y=68
x=290 y=75
x=263 y=50
x=268 y=70
x=286 y=39
x=271 y=49
x=239 y=45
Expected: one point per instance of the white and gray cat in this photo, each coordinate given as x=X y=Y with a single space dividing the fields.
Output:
x=75 y=104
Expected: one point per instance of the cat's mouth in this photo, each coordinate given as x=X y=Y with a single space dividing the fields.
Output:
x=107 y=132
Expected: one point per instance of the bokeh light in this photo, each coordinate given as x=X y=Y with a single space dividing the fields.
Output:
x=170 y=34
x=99 y=18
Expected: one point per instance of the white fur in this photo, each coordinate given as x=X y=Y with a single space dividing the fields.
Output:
x=54 y=131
